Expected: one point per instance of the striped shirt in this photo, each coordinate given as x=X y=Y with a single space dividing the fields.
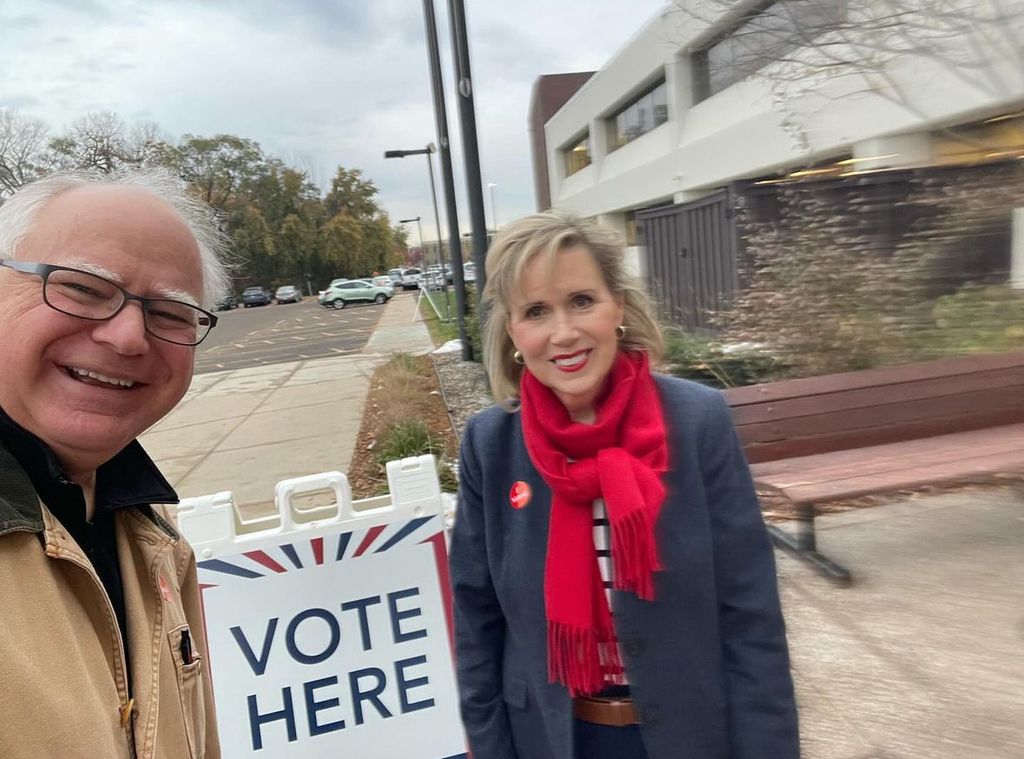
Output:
x=603 y=547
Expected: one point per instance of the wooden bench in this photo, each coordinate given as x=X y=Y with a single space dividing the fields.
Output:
x=879 y=431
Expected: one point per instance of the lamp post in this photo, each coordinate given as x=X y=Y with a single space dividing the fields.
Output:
x=419 y=230
x=494 y=213
x=428 y=151
x=447 y=309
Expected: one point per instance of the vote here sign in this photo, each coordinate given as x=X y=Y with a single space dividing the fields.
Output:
x=336 y=645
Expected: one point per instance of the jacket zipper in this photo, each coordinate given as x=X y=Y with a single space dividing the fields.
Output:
x=127 y=704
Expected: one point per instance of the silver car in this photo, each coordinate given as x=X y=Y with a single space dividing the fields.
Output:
x=288 y=294
x=352 y=291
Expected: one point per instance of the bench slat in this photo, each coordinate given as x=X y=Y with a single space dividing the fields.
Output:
x=940 y=451
x=788 y=441
x=910 y=479
x=830 y=383
x=934 y=389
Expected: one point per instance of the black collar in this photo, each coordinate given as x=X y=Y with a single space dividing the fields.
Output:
x=130 y=478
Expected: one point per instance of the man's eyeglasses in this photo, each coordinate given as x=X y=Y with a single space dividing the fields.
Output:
x=89 y=296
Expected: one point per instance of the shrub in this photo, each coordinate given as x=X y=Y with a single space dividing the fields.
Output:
x=702 y=360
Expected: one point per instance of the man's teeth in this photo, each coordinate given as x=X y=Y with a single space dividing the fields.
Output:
x=571 y=360
x=101 y=377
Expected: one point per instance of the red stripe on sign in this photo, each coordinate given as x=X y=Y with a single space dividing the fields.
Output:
x=368 y=540
x=441 y=559
x=318 y=550
x=261 y=558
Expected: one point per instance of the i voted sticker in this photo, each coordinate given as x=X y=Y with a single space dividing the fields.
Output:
x=519 y=495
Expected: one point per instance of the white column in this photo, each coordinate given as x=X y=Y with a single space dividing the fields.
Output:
x=1017 y=250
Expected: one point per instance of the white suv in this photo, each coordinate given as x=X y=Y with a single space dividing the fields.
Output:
x=407 y=279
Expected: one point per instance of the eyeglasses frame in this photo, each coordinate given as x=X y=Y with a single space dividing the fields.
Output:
x=43 y=271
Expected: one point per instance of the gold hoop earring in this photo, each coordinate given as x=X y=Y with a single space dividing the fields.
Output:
x=621 y=331
x=517 y=358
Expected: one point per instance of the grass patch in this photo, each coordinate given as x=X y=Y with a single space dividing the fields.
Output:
x=440 y=332
x=404 y=416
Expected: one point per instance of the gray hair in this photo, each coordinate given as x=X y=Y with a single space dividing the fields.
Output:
x=18 y=213
x=547 y=233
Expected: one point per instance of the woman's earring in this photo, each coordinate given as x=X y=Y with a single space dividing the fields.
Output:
x=621 y=331
x=517 y=358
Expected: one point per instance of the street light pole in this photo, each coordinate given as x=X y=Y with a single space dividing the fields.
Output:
x=440 y=259
x=447 y=175
x=419 y=231
x=494 y=213
x=471 y=153
x=428 y=151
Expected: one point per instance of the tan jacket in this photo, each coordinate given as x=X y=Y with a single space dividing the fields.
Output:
x=62 y=674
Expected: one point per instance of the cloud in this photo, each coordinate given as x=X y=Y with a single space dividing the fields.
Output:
x=319 y=84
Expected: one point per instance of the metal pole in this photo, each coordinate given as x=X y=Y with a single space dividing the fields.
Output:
x=467 y=124
x=419 y=231
x=441 y=118
x=437 y=220
x=494 y=211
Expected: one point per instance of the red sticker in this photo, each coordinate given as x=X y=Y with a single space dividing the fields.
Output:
x=519 y=495
x=164 y=590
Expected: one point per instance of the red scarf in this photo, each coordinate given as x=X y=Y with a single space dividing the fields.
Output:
x=619 y=458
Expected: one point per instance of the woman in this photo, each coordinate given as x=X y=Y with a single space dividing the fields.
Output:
x=614 y=585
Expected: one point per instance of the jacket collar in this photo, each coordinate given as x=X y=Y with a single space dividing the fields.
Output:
x=28 y=467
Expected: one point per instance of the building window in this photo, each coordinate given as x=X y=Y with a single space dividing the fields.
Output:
x=640 y=116
x=766 y=34
x=577 y=155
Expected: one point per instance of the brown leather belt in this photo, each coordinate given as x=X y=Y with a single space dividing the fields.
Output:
x=614 y=712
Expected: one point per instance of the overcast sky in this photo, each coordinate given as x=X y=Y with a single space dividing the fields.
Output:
x=317 y=83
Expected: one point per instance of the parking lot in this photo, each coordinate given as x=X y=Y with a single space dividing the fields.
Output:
x=274 y=334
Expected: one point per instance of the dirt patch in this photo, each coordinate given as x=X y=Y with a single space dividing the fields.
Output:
x=420 y=397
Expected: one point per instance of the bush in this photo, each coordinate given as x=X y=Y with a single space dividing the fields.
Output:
x=702 y=360
x=977 y=320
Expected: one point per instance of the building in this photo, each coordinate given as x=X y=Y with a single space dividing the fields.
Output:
x=712 y=99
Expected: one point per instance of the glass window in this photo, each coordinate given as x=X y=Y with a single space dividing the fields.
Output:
x=640 y=116
x=764 y=35
x=577 y=155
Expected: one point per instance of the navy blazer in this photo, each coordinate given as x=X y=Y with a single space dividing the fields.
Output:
x=707 y=660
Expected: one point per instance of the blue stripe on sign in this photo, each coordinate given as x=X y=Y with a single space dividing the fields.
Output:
x=414 y=525
x=342 y=545
x=216 y=565
x=289 y=551
x=456 y=756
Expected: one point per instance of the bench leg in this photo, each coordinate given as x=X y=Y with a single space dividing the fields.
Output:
x=804 y=546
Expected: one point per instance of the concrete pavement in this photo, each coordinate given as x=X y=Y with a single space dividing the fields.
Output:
x=244 y=430
x=921 y=658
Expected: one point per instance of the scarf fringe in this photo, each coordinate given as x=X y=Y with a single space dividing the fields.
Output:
x=582 y=659
x=634 y=554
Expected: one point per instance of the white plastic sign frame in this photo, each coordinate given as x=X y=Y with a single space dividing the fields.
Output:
x=329 y=630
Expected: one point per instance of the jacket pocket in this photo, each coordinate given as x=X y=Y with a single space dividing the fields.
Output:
x=188 y=665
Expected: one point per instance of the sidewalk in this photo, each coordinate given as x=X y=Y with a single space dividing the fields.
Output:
x=919 y=659
x=247 y=429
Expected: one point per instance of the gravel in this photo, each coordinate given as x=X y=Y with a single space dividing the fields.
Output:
x=464 y=386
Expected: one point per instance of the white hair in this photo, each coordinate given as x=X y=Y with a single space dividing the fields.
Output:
x=18 y=213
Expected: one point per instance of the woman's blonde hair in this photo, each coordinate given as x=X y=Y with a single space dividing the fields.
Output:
x=548 y=233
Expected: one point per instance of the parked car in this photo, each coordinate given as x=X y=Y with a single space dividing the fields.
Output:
x=256 y=296
x=407 y=279
x=353 y=290
x=226 y=303
x=384 y=281
x=433 y=278
x=288 y=294
x=469 y=272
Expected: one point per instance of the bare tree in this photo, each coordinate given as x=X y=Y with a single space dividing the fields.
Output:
x=826 y=49
x=22 y=149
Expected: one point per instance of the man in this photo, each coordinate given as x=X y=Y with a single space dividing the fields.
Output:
x=103 y=280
